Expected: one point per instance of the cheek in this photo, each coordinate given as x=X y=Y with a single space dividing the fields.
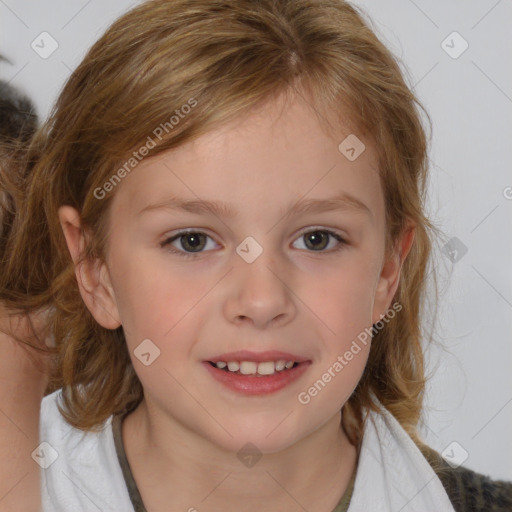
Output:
x=156 y=299
x=342 y=296
x=343 y=303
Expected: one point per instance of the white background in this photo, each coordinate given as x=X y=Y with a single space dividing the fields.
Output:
x=469 y=398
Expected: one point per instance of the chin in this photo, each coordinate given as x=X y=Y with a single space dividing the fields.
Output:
x=265 y=437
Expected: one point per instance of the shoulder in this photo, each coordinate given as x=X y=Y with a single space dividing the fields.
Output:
x=80 y=470
x=468 y=490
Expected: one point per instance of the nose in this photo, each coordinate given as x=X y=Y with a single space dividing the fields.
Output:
x=259 y=294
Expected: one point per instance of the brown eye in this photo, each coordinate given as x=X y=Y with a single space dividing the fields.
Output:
x=188 y=243
x=320 y=239
x=193 y=242
x=317 y=240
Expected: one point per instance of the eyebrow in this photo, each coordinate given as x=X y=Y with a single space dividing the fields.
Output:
x=340 y=202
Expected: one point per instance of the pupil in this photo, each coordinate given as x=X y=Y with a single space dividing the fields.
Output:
x=192 y=240
x=317 y=238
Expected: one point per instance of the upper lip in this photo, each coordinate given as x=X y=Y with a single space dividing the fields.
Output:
x=258 y=357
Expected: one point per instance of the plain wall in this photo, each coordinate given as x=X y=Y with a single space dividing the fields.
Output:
x=469 y=397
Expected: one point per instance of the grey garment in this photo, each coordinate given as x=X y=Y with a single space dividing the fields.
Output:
x=133 y=491
x=468 y=490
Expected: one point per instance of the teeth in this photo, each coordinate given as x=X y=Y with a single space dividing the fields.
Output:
x=267 y=368
x=248 y=367
x=280 y=365
x=252 y=368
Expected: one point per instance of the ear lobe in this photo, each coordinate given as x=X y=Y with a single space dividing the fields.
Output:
x=390 y=274
x=92 y=276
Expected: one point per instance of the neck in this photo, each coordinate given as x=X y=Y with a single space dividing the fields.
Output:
x=311 y=474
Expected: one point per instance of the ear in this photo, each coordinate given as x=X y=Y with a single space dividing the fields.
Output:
x=92 y=276
x=390 y=274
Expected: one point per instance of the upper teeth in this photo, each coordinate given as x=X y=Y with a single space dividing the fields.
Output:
x=251 y=367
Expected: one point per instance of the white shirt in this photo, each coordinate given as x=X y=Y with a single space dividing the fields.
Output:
x=392 y=474
x=81 y=473
x=86 y=475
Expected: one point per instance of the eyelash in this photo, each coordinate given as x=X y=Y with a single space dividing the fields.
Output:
x=190 y=255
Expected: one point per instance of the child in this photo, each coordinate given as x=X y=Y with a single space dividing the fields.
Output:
x=228 y=197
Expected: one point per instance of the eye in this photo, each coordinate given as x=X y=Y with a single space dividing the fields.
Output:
x=319 y=239
x=191 y=242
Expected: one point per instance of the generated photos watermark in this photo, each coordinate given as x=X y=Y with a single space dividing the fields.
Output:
x=137 y=156
x=304 y=397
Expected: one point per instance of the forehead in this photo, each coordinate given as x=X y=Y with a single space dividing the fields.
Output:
x=271 y=156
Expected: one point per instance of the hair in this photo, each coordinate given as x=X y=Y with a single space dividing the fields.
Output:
x=18 y=123
x=230 y=56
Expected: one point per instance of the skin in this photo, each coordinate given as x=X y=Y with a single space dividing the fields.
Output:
x=23 y=380
x=189 y=428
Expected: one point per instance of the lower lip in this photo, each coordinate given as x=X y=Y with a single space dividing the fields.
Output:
x=253 y=385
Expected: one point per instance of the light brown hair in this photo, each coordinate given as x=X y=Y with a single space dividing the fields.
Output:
x=231 y=56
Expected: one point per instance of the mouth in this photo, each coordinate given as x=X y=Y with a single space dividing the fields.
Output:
x=254 y=368
x=256 y=374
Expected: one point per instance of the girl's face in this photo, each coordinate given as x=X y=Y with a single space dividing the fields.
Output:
x=285 y=255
